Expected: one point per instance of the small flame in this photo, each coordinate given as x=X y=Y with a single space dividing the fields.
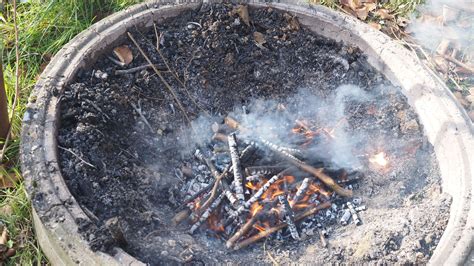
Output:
x=255 y=208
x=259 y=227
x=379 y=159
x=251 y=186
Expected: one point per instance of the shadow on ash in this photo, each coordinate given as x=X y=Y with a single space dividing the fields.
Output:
x=261 y=133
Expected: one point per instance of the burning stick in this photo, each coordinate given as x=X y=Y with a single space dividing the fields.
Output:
x=217 y=180
x=301 y=191
x=236 y=168
x=317 y=172
x=231 y=122
x=262 y=190
x=280 y=226
x=242 y=231
x=206 y=214
x=289 y=217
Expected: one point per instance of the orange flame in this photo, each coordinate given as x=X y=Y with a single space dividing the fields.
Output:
x=255 y=208
x=259 y=227
x=379 y=159
x=251 y=186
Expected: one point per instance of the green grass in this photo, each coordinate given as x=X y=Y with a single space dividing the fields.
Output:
x=44 y=27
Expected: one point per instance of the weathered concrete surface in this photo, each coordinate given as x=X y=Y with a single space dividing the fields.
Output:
x=56 y=212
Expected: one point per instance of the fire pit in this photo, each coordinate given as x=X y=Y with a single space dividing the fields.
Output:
x=210 y=133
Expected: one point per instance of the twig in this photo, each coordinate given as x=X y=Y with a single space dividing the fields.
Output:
x=77 y=156
x=167 y=85
x=459 y=63
x=289 y=216
x=207 y=213
x=139 y=111
x=17 y=83
x=280 y=226
x=237 y=169
x=158 y=39
x=115 y=61
x=136 y=69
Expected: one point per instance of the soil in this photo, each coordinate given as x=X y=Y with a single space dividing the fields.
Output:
x=118 y=167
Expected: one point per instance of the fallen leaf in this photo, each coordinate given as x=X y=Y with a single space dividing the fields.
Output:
x=124 y=54
x=362 y=13
x=6 y=210
x=370 y=6
x=384 y=14
x=293 y=23
x=4 y=236
x=259 y=38
x=375 y=25
x=9 y=180
x=243 y=13
x=352 y=4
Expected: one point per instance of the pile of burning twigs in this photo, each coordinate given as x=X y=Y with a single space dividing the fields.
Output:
x=263 y=187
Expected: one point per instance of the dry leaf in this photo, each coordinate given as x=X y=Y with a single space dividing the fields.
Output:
x=294 y=24
x=384 y=14
x=243 y=13
x=375 y=25
x=6 y=210
x=259 y=38
x=4 y=236
x=362 y=13
x=124 y=54
x=370 y=6
x=9 y=180
x=352 y=4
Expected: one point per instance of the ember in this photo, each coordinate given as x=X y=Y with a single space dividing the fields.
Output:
x=247 y=201
x=379 y=159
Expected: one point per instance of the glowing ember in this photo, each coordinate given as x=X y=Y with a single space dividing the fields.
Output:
x=379 y=159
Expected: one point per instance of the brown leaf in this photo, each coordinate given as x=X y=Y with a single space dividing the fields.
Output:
x=370 y=6
x=384 y=14
x=124 y=54
x=243 y=13
x=9 y=180
x=293 y=23
x=362 y=13
x=6 y=210
x=352 y=4
x=4 y=236
x=375 y=25
x=259 y=38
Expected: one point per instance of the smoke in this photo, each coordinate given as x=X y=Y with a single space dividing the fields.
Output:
x=273 y=120
x=443 y=21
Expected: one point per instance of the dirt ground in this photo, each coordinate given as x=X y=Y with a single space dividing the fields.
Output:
x=124 y=168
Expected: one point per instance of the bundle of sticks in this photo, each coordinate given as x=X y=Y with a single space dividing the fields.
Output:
x=247 y=200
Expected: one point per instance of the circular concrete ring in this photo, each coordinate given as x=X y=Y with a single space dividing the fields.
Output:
x=445 y=123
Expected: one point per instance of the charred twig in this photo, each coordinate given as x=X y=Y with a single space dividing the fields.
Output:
x=196 y=195
x=138 y=109
x=242 y=231
x=167 y=85
x=264 y=170
x=280 y=226
x=207 y=213
x=317 y=172
x=136 y=69
x=236 y=168
x=289 y=217
x=262 y=190
x=301 y=191
x=354 y=215
x=77 y=156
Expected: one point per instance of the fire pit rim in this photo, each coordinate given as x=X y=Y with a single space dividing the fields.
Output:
x=48 y=190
